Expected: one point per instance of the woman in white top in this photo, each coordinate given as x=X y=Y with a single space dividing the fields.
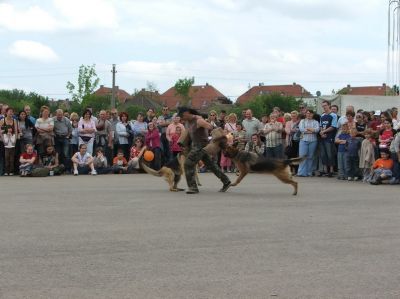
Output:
x=83 y=161
x=44 y=128
x=124 y=131
x=87 y=130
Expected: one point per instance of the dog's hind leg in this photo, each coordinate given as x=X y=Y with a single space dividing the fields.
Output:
x=243 y=171
x=177 y=178
x=285 y=176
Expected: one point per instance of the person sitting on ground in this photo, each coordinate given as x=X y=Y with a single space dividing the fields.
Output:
x=100 y=162
x=382 y=168
x=27 y=160
x=255 y=145
x=83 y=161
x=49 y=161
x=120 y=165
x=136 y=153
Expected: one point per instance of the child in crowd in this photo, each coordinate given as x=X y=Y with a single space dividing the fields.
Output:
x=9 y=140
x=174 y=146
x=100 y=162
x=382 y=168
x=120 y=165
x=27 y=160
x=136 y=153
x=352 y=148
x=83 y=161
x=367 y=155
x=395 y=155
x=341 y=140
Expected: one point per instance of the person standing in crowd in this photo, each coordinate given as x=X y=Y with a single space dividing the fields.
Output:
x=341 y=140
x=175 y=148
x=230 y=129
x=251 y=125
x=292 y=137
x=9 y=139
x=395 y=118
x=62 y=132
x=309 y=129
x=273 y=137
x=386 y=134
x=83 y=161
x=114 y=120
x=150 y=114
x=124 y=130
x=87 y=130
x=239 y=136
x=328 y=125
x=26 y=128
x=367 y=155
x=212 y=118
x=104 y=135
x=44 y=127
x=360 y=124
x=395 y=155
x=152 y=140
x=139 y=127
x=353 y=160
x=222 y=119
x=74 y=142
x=27 y=110
x=171 y=129
x=198 y=132
x=163 y=121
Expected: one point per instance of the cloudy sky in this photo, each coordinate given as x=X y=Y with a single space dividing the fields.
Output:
x=231 y=44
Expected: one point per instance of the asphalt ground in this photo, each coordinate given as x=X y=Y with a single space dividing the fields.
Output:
x=126 y=236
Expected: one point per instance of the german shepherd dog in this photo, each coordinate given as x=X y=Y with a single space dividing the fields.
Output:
x=174 y=169
x=246 y=162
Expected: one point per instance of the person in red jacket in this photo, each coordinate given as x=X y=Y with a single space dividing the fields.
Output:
x=153 y=141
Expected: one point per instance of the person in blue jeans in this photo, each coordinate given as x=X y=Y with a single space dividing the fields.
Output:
x=353 y=159
x=341 y=140
x=309 y=129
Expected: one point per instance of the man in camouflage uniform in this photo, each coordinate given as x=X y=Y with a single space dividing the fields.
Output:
x=198 y=133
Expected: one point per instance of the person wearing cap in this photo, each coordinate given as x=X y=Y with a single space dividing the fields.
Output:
x=197 y=129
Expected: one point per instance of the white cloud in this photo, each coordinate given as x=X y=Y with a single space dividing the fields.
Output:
x=78 y=14
x=34 y=51
x=32 y=19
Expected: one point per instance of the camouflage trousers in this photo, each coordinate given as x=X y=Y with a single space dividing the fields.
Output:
x=194 y=156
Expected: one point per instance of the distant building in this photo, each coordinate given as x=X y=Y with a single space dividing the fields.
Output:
x=146 y=99
x=294 y=90
x=120 y=94
x=366 y=90
x=202 y=97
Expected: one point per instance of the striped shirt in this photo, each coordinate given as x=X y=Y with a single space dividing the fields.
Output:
x=309 y=124
x=274 y=137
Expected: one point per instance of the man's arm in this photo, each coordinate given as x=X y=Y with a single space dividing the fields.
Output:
x=202 y=123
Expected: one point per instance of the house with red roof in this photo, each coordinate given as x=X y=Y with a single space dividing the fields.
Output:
x=382 y=90
x=294 y=90
x=120 y=94
x=202 y=97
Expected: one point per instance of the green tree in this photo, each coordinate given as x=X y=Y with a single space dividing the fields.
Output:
x=17 y=99
x=96 y=102
x=87 y=83
x=182 y=88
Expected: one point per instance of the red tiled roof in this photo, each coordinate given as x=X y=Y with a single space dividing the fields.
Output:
x=121 y=94
x=201 y=95
x=294 y=90
x=366 y=90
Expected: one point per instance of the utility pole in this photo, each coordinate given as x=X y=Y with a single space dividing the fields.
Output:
x=113 y=71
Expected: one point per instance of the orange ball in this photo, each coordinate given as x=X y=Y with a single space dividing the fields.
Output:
x=148 y=156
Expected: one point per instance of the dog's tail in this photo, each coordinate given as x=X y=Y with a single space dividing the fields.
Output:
x=148 y=169
x=295 y=161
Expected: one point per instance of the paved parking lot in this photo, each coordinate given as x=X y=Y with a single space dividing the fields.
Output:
x=125 y=236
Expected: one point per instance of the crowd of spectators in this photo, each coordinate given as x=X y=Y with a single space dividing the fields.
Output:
x=360 y=145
